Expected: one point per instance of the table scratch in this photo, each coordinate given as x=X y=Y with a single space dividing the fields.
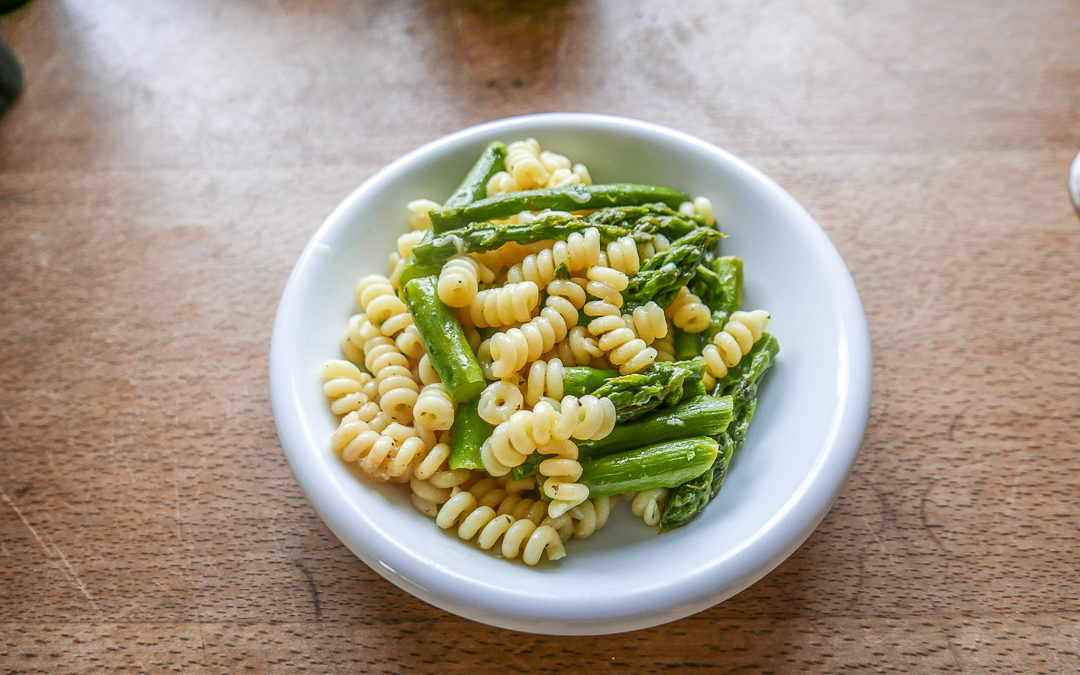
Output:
x=52 y=551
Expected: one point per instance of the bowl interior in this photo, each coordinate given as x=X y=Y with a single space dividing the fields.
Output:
x=801 y=445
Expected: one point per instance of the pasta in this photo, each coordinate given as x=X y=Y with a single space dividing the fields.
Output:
x=648 y=503
x=577 y=253
x=505 y=305
x=459 y=280
x=499 y=401
x=433 y=408
x=734 y=341
x=688 y=312
x=547 y=320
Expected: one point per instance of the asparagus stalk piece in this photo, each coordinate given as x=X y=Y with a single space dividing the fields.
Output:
x=666 y=464
x=661 y=276
x=569 y=198
x=688 y=345
x=480 y=237
x=662 y=383
x=467 y=435
x=718 y=283
x=741 y=383
x=582 y=380
x=702 y=416
x=474 y=186
x=444 y=339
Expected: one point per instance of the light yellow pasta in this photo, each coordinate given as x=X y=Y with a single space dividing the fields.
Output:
x=665 y=347
x=503 y=306
x=579 y=252
x=648 y=504
x=624 y=349
x=648 y=322
x=585 y=418
x=701 y=207
x=375 y=295
x=524 y=165
x=344 y=384
x=419 y=218
x=459 y=280
x=734 y=341
x=650 y=248
x=388 y=454
x=410 y=343
x=579 y=348
x=561 y=471
x=687 y=312
x=544 y=380
x=622 y=255
x=589 y=516
x=511 y=350
x=434 y=409
x=397 y=390
x=499 y=401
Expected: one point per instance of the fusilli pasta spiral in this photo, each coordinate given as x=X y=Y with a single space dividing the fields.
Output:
x=524 y=165
x=512 y=349
x=419 y=219
x=579 y=252
x=384 y=455
x=345 y=385
x=459 y=280
x=648 y=504
x=687 y=312
x=518 y=536
x=648 y=322
x=729 y=345
x=375 y=295
x=505 y=305
x=434 y=409
x=499 y=401
x=626 y=351
x=545 y=379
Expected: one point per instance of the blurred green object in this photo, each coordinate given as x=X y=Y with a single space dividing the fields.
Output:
x=10 y=77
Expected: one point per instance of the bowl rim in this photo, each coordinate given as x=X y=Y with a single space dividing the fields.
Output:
x=782 y=535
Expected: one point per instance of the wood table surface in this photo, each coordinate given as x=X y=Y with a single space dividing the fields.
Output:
x=167 y=162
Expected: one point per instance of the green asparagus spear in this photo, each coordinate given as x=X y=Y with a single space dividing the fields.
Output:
x=662 y=383
x=688 y=345
x=741 y=383
x=666 y=464
x=468 y=434
x=480 y=237
x=569 y=198
x=581 y=380
x=444 y=339
x=718 y=283
x=661 y=276
x=702 y=416
x=655 y=218
x=474 y=186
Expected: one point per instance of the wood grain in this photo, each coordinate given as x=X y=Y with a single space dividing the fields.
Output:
x=167 y=162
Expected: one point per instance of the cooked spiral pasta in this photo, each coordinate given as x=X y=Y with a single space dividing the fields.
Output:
x=410 y=343
x=648 y=504
x=344 y=384
x=702 y=207
x=499 y=401
x=500 y=183
x=505 y=305
x=687 y=312
x=579 y=252
x=734 y=341
x=386 y=454
x=622 y=255
x=512 y=349
x=545 y=379
x=648 y=322
x=587 y=418
x=518 y=536
x=579 y=348
x=434 y=409
x=375 y=295
x=626 y=351
x=524 y=165
x=425 y=372
x=397 y=390
x=459 y=280
x=419 y=219
x=433 y=488
x=562 y=471
x=589 y=516
x=657 y=244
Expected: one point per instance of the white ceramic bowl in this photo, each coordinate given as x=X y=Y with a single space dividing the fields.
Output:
x=810 y=418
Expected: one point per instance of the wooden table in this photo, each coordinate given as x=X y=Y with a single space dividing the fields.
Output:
x=167 y=161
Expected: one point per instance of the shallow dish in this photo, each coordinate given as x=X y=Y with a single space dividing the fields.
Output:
x=812 y=410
